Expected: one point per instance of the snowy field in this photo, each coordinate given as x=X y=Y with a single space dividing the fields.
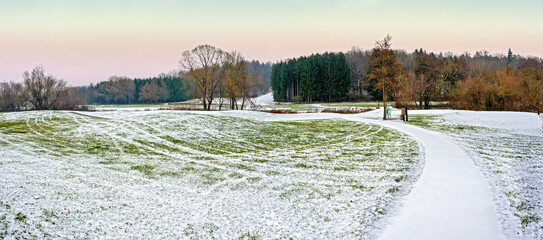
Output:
x=508 y=148
x=243 y=174
x=174 y=174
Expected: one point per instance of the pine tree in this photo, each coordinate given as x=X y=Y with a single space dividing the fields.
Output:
x=509 y=57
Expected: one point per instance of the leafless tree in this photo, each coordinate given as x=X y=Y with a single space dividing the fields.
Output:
x=235 y=76
x=203 y=66
x=117 y=89
x=358 y=61
x=43 y=91
x=250 y=86
x=10 y=96
x=106 y=91
x=123 y=89
x=153 y=93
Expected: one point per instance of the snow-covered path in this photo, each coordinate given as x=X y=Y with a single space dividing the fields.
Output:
x=451 y=200
x=265 y=99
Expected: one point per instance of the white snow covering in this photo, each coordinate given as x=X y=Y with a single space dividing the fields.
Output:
x=507 y=147
x=175 y=174
x=451 y=200
x=265 y=99
x=482 y=176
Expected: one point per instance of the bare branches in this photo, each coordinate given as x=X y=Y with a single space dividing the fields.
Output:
x=38 y=91
x=43 y=91
x=10 y=96
x=204 y=67
x=118 y=89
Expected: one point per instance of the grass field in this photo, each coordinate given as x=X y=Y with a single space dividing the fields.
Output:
x=171 y=174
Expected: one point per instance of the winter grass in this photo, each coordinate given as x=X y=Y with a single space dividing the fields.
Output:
x=123 y=106
x=166 y=174
x=308 y=107
x=510 y=156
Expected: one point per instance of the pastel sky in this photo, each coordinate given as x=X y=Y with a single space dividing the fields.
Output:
x=84 y=41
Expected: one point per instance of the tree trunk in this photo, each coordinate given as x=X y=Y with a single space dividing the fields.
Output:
x=426 y=102
x=384 y=109
x=384 y=104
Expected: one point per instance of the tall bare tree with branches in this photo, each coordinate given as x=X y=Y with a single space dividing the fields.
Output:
x=235 y=76
x=10 y=96
x=203 y=66
x=43 y=91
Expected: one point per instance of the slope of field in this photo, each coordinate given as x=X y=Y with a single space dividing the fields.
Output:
x=508 y=148
x=162 y=174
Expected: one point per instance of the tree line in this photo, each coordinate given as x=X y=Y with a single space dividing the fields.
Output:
x=123 y=90
x=319 y=77
x=176 y=86
x=478 y=82
x=39 y=91
x=234 y=81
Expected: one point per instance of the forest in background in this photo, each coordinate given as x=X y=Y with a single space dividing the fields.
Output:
x=415 y=79
x=171 y=87
x=319 y=77
x=481 y=81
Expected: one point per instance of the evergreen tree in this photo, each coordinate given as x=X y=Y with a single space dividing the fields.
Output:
x=509 y=57
x=317 y=77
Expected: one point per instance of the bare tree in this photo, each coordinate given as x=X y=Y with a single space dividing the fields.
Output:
x=69 y=99
x=250 y=86
x=235 y=75
x=10 y=96
x=43 y=91
x=358 y=61
x=106 y=91
x=241 y=82
x=203 y=66
x=124 y=89
x=117 y=90
x=221 y=94
x=153 y=93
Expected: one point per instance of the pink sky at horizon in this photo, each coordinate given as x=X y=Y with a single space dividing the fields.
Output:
x=89 y=42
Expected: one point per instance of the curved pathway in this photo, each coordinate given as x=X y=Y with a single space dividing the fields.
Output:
x=451 y=199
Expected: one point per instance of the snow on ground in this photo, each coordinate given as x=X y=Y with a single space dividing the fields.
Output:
x=451 y=200
x=130 y=107
x=508 y=148
x=174 y=174
x=266 y=99
x=230 y=174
